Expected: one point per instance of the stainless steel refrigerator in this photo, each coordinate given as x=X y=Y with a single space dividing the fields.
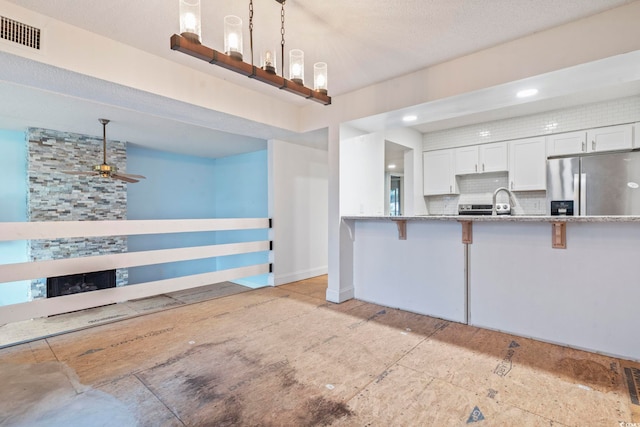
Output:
x=595 y=184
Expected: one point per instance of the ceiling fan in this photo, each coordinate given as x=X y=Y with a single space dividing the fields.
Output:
x=105 y=170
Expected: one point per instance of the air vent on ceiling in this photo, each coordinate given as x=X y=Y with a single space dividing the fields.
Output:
x=20 y=33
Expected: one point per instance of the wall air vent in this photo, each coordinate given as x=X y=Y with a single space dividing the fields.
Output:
x=20 y=33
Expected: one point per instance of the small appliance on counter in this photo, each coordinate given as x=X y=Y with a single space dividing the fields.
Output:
x=561 y=207
x=478 y=209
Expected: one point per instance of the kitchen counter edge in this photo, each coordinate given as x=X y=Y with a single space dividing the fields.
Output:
x=498 y=218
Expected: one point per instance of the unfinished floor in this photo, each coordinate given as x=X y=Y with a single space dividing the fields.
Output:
x=285 y=357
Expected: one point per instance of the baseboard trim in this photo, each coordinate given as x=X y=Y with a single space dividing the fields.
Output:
x=341 y=296
x=283 y=279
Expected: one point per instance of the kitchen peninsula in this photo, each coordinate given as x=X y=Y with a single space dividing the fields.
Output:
x=512 y=274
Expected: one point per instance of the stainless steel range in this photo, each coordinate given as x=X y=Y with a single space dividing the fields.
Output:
x=473 y=209
x=479 y=209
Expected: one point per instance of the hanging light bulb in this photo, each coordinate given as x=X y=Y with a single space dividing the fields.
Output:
x=296 y=66
x=268 y=61
x=190 y=20
x=320 y=77
x=233 y=37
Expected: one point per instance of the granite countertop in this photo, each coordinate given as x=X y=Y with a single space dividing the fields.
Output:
x=498 y=218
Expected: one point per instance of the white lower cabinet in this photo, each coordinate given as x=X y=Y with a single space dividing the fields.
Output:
x=439 y=172
x=528 y=164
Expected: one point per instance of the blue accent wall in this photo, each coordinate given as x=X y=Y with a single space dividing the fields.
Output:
x=241 y=188
x=176 y=187
x=189 y=187
x=13 y=208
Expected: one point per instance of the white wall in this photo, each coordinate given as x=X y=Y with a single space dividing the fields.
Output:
x=362 y=175
x=599 y=36
x=414 y=203
x=298 y=198
x=80 y=51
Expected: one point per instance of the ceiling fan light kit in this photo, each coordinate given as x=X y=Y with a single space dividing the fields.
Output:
x=189 y=42
x=106 y=170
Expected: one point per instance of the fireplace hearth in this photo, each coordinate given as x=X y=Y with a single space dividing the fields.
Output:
x=84 y=282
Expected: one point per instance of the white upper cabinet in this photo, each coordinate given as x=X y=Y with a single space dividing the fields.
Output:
x=610 y=138
x=494 y=158
x=481 y=158
x=528 y=164
x=567 y=143
x=466 y=160
x=439 y=172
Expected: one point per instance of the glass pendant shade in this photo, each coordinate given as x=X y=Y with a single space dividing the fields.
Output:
x=296 y=66
x=190 y=20
x=320 y=77
x=233 y=37
x=268 y=61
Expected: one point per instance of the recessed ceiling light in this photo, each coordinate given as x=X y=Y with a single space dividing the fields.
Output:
x=526 y=93
x=409 y=118
x=391 y=166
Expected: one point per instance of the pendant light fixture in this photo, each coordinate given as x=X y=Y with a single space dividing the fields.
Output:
x=190 y=20
x=189 y=41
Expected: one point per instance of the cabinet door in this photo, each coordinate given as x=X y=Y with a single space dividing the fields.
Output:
x=493 y=157
x=466 y=160
x=567 y=143
x=438 y=172
x=610 y=138
x=528 y=164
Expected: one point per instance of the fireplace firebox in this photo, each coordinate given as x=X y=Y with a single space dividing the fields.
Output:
x=84 y=282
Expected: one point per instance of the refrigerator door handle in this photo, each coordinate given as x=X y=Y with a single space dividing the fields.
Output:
x=576 y=193
x=583 y=194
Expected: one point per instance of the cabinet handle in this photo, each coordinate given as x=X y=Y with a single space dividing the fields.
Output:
x=512 y=185
x=476 y=168
x=450 y=189
x=584 y=148
x=483 y=167
x=593 y=145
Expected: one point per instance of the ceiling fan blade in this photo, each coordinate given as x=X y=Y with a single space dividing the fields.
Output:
x=123 y=178
x=80 y=173
x=130 y=175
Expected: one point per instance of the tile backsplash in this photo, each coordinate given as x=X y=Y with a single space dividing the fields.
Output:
x=479 y=188
x=617 y=111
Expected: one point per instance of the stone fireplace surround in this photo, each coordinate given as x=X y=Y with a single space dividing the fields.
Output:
x=55 y=196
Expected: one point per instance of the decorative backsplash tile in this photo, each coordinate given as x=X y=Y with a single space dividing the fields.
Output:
x=608 y=113
x=479 y=189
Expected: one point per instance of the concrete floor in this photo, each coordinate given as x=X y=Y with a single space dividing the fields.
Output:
x=27 y=330
x=285 y=357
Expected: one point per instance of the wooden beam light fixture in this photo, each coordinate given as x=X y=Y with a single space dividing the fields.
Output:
x=189 y=42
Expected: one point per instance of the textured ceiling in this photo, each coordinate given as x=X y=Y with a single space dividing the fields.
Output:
x=363 y=42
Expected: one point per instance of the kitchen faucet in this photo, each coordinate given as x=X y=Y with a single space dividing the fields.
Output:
x=512 y=199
